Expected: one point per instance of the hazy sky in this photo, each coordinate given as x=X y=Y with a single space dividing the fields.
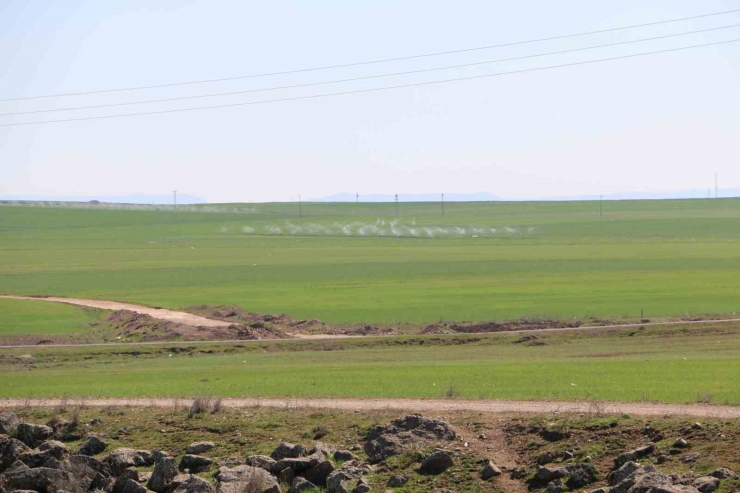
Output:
x=657 y=123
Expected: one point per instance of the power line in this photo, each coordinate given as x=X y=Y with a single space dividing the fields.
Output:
x=360 y=91
x=368 y=77
x=384 y=60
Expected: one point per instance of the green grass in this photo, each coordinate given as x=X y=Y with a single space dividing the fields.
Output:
x=665 y=365
x=557 y=259
x=21 y=317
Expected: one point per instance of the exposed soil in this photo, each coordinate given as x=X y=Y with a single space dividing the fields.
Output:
x=235 y=315
x=513 y=326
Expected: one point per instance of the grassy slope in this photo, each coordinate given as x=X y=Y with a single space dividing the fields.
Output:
x=34 y=317
x=669 y=365
x=665 y=257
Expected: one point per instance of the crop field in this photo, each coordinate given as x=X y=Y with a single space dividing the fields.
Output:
x=362 y=263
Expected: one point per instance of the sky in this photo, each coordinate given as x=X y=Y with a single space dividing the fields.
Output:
x=657 y=123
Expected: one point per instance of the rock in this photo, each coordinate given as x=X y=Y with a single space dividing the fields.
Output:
x=47 y=450
x=88 y=466
x=33 y=435
x=261 y=461
x=194 y=484
x=635 y=454
x=681 y=443
x=344 y=455
x=361 y=486
x=41 y=479
x=157 y=455
x=555 y=486
x=199 y=447
x=92 y=445
x=382 y=447
x=165 y=471
x=325 y=449
x=127 y=485
x=287 y=450
x=299 y=464
x=286 y=476
x=627 y=469
x=567 y=455
x=437 y=462
x=10 y=450
x=690 y=457
x=547 y=474
x=241 y=479
x=336 y=481
x=8 y=423
x=318 y=474
x=121 y=459
x=722 y=473
x=16 y=466
x=518 y=473
x=706 y=484
x=300 y=484
x=144 y=477
x=490 y=470
x=194 y=463
x=580 y=475
x=398 y=480
x=554 y=435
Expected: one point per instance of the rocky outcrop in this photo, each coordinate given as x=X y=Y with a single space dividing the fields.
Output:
x=413 y=430
x=42 y=480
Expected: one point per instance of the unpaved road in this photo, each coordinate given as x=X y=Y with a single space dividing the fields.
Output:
x=198 y=321
x=416 y=405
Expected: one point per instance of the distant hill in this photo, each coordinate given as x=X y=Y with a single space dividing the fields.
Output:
x=422 y=197
x=113 y=199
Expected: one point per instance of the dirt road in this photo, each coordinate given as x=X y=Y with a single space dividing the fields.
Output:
x=159 y=313
x=416 y=405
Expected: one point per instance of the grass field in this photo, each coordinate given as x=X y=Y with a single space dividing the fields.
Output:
x=27 y=317
x=680 y=364
x=359 y=263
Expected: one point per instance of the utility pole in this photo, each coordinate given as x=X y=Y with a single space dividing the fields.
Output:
x=716 y=190
x=357 y=198
x=601 y=209
x=175 y=201
x=300 y=207
x=443 y=204
x=396 y=204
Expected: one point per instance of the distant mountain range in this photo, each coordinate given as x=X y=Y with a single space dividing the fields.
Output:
x=113 y=199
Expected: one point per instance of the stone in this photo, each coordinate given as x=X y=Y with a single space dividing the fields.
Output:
x=8 y=423
x=287 y=450
x=41 y=480
x=555 y=486
x=261 y=461
x=93 y=445
x=490 y=470
x=690 y=457
x=344 y=455
x=436 y=462
x=199 y=448
x=547 y=474
x=706 y=484
x=125 y=484
x=361 y=486
x=398 y=480
x=318 y=474
x=627 y=469
x=121 y=459
x=336 y=482
x=382 y=447
x=722 y=473
x=239 y=478
x=194 y=463
x=34 y=435
x=47 y=450
x=88 y=466
x=286 y=476
x=16 y=466
x=412 y=431
x=298 y=464
x=518 y=473
x=580 y=475
x=681 y=443
x=194 y=484
x=635 y=454
x=10 y=450
x=300 y=484
x=165 y=471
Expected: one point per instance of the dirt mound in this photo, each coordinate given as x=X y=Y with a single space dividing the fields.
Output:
x=236 y=315
x=410 y=432
x=436 y=329
x=142 y=327
x=365 y=330
x=513 y=325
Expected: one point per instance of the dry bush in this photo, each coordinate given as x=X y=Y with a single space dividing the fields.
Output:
x=205 y=404
x=75 y=416
x=218 y=405
x=705 y=397
x=62 y=406
x=452 y=392
x=319 y=432
x=596 y=409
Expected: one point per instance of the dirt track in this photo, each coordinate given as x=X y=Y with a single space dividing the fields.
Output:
x=417 y=405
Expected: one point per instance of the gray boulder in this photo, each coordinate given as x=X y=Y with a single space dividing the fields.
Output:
x=261 y=461
x=490 y=470
x=706 y=484
x=547 y=474
x=8 y=423
x=194 y=484
x=337 y=481
x=34 y=435
x=318 y=474
x=627 y=469
x=299 y=465
x=245 y=478
x=125 y=484
x=194 y=463
x=300 y=484
x=121 y=459
x=287 y=450
x=398 y=480
x=580 y=474
x=88 y=466
x=635 y=454
x=382 y=447
x=93 y=445
x=199 y=448
x=10 y=450
x=16 y=466
x=344 y=455
x=722 y=473
x=46 y=451
x=42 y=480
x=165 y=471
x=437 y=462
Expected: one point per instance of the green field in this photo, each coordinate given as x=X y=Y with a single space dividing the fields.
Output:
x=20 y=317
x=680 y=364
x=480 y=261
